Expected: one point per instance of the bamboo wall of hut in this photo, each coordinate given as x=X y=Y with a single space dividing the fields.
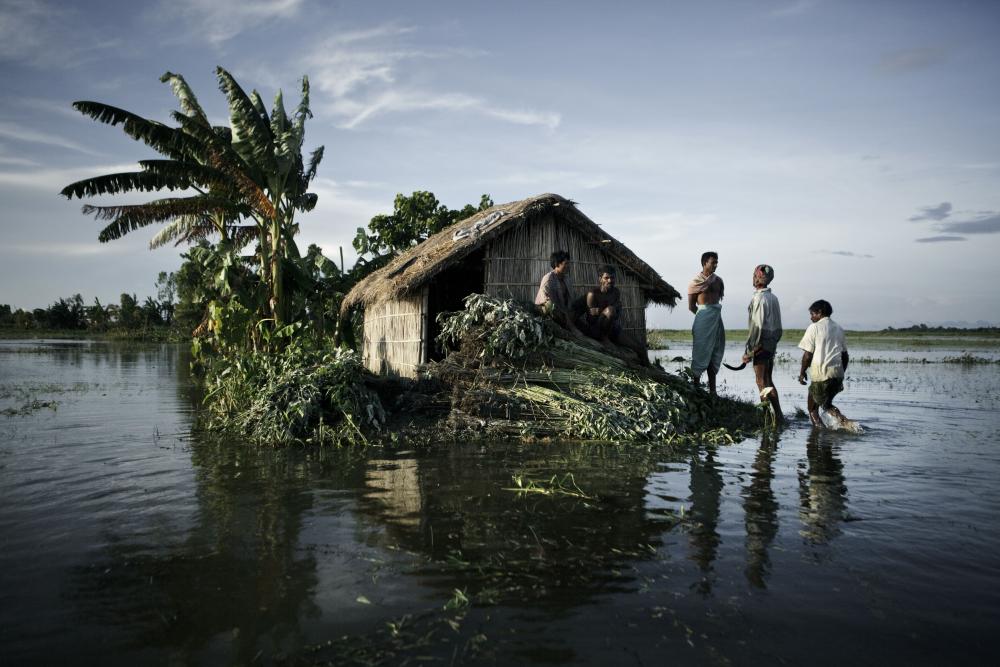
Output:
x=517 y=260
x=395 y=333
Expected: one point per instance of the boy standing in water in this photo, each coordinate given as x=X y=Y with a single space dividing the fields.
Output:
x=763 y=333
x=708 y=333
x=824 y=355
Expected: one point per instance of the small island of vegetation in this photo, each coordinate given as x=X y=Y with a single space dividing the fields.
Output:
x=276 y=352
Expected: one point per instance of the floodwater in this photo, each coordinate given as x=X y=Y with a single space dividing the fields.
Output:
x=127 y=538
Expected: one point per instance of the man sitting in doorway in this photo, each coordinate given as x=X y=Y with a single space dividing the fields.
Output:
x=554 y=293
x=602 y=318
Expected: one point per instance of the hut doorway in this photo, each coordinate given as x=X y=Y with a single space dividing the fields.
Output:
x=446 y=291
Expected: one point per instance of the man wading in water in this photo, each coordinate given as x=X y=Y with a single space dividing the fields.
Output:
x=708 y=333
x=824 y=355
x=763 y=333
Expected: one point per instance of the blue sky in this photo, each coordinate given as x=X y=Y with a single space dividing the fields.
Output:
x=854 y=146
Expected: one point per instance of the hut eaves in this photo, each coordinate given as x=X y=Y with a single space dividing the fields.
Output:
x=418 y=265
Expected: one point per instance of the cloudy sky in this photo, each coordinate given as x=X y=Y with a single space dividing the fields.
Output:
x=853 y=145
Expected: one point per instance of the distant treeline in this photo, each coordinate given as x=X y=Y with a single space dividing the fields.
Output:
x=923 y=328
x=157 y=316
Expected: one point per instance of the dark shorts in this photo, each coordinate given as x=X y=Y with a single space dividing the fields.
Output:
x=591 y=326
x=822 y=392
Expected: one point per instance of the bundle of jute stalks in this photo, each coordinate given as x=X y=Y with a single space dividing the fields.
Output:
x=514 y=373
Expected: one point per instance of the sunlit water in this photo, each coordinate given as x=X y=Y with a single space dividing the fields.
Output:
x=128 y=540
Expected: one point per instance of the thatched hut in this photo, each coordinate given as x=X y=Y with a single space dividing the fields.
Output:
x=503 y=252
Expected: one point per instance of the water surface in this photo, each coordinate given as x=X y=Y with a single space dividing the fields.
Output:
x=129 y=538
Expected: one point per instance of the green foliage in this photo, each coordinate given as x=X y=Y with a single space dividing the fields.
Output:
x=67 y=314
x=540 y=381
x=252 y=170
x=504 y=329
x=302 y=394
x=412 y=220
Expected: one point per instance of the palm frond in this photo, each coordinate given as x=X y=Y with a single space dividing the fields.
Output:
x=306 y=202
x=302 y=112
x=164 y=139
x=248 y=127
x=186 y=96
x=242 y=235
x=130 y=217
x=314 y=159
x=258 y=105
x=192 y=173
x=113 y=184
x=231 y=164
x=279 y=117
x=179 y=230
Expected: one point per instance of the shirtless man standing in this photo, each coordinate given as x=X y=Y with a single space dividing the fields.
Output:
x=708 y=333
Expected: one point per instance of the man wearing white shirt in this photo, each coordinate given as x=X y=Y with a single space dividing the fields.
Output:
x=824 y=355
x=763 y=333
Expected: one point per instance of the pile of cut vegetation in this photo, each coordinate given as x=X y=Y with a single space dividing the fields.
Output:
x=510 y=373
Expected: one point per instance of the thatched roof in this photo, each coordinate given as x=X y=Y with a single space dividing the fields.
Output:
x=418 y=265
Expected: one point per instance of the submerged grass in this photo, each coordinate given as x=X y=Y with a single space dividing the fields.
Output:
x=556 y=485
x=29 y=408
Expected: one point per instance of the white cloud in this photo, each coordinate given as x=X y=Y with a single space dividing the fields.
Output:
x=551 y=181
x=338 y=214
x=360 y=71
x=47 y=35
x=221 y=20
x=54 y=180
x=658 y=228
x=525 y=117
x=795 y=9
x=984 y=166
x=908 y=60
x=21 y=133
x=17 y=161
x=25 y=25
x=59 y=107
x=386 y=30
x=83 y=249
x=390 y=101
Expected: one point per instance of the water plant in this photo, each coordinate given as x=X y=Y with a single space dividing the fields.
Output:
x=556 y=485
x=300 y=394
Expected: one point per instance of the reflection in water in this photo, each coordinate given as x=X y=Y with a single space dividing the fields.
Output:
x=706 y=491
x=395 y=485
x=237 y=586
x=822 y=490
x=552 y=550
x=132 y=538
x=760 y=512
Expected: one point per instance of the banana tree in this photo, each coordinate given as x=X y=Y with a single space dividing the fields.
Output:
x=247 y=181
